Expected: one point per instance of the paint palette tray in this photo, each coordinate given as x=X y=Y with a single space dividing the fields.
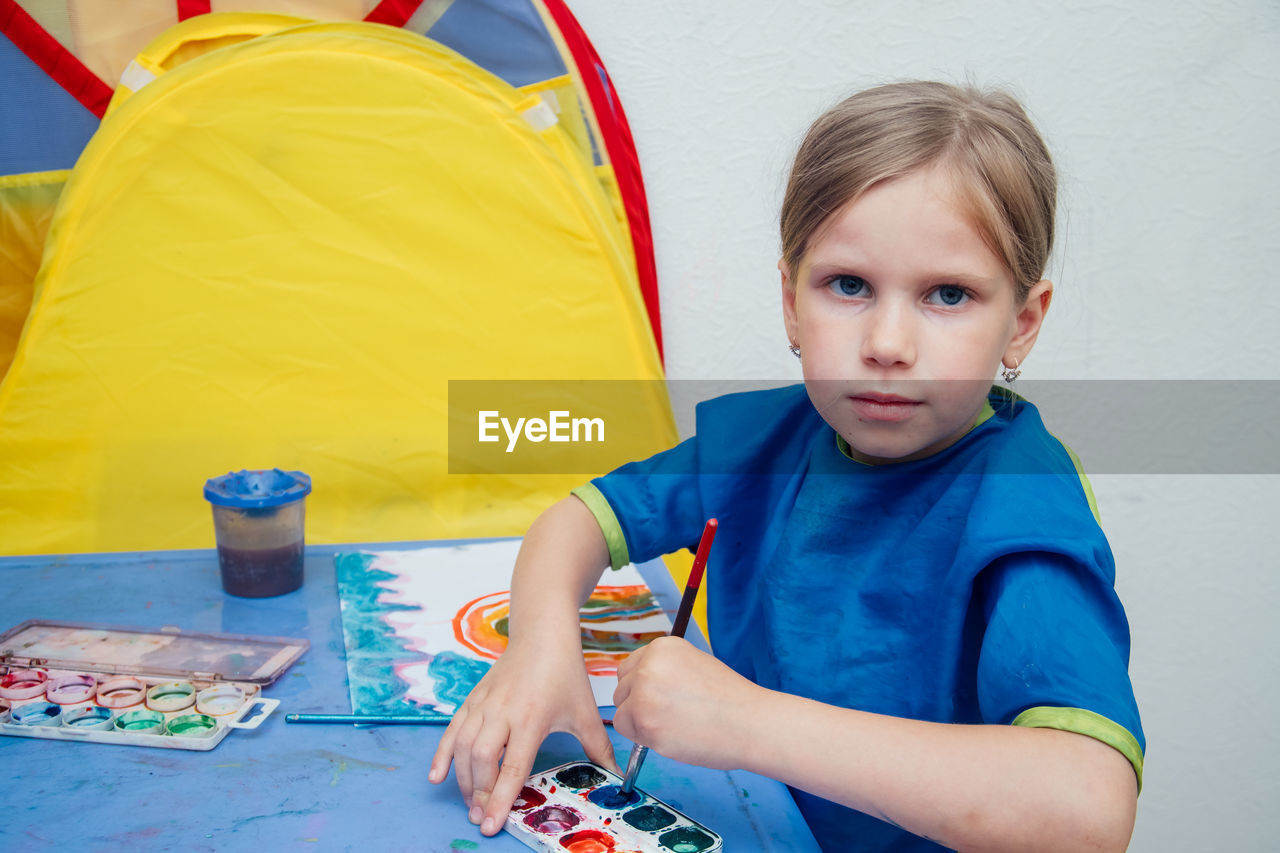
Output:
x=136 y=687
x=579 y=808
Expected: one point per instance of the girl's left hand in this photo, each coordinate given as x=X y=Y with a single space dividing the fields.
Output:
x=684 y=704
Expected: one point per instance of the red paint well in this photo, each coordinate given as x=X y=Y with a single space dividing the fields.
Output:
x=527 y=799
x=588 y=841
x=553 y=819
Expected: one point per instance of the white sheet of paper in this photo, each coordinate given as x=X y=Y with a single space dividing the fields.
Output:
x=457 y=598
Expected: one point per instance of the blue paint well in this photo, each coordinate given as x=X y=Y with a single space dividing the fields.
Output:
x=613 y=797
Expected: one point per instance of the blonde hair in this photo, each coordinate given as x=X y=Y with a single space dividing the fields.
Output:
x=1002 y=172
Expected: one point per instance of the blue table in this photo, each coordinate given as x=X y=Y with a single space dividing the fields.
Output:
x=314 y=787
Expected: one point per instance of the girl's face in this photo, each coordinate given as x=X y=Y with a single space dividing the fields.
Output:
x=903 y=314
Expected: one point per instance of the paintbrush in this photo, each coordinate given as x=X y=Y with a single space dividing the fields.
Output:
x=427 y=719
x=678 y=627
x=430 y=718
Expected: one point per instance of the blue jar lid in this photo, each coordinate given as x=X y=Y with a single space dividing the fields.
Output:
x=255 y=489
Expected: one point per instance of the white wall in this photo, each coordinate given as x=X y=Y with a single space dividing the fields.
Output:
x=1164 y=119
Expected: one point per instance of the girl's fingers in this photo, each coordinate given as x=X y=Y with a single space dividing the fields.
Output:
x=444 y=752
x=630 y=662
x=620 y=693
x=621 y=721
x=486 y=752
x=517 y=764
x=492 y=742
x=596 y=744
x=625 y=671
x=462 y=764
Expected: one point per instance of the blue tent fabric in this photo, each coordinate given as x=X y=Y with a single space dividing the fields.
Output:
x=42 y=127
x=505 y=37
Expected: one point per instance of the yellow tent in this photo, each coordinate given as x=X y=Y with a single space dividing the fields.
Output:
x=279 y=249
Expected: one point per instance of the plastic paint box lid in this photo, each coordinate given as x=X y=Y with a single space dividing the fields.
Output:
x=142 y=651
x=257 y=489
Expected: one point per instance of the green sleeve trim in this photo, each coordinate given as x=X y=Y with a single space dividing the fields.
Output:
x=1084 y=481
x=1013 y=399
x=609 y=524
x=984 y=414
x=1088 y=723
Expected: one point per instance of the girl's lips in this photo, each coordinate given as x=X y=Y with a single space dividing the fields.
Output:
x=883 y=407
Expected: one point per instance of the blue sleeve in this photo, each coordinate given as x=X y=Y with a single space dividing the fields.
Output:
x=655 y=502
x=1055 y=652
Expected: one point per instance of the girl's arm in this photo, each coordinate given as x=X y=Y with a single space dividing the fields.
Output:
x=539 y=684
x=979 y=787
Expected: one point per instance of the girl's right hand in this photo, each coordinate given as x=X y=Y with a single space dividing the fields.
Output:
x=494 y=737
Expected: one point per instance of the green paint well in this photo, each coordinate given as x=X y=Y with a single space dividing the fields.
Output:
x=192 y=724
x=685 y=839
x=649 y=818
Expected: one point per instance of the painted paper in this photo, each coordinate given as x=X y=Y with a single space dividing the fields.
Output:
x=423 y=626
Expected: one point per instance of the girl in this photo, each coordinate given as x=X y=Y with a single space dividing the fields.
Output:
x=910 y=600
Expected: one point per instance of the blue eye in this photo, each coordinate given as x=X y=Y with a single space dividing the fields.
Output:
x=848 y=285
x=949 y=295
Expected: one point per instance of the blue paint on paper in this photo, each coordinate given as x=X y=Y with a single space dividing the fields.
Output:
x=372 y=648
x=455 y=675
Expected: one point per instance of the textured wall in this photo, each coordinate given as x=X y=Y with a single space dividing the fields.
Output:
x=1164 y=120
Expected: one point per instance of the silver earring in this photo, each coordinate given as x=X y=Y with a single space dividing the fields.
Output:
x=1011 y=373
x=795 y=350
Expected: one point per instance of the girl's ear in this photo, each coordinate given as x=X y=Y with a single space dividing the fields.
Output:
x=789 y=303
x=1027 y=323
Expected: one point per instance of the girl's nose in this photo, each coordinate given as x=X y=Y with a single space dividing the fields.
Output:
x=889 y=339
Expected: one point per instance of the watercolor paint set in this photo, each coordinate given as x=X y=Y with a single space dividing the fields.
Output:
x=136 y=687
x=580 y=807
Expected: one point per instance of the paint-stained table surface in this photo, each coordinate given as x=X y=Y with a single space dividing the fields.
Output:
x=282 y=787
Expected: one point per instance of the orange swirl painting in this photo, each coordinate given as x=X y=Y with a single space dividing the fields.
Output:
x=481 y=625
x=422 y=626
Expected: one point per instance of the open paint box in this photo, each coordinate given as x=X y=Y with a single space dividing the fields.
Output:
x=136 y=687
x=579 y=808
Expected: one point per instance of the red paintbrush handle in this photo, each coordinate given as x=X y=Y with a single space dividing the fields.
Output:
x=695 y=579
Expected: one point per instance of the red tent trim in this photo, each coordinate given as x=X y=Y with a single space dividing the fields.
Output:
x=395 y=13
x=54 y=59
x=191 y=8
x=621 y=148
